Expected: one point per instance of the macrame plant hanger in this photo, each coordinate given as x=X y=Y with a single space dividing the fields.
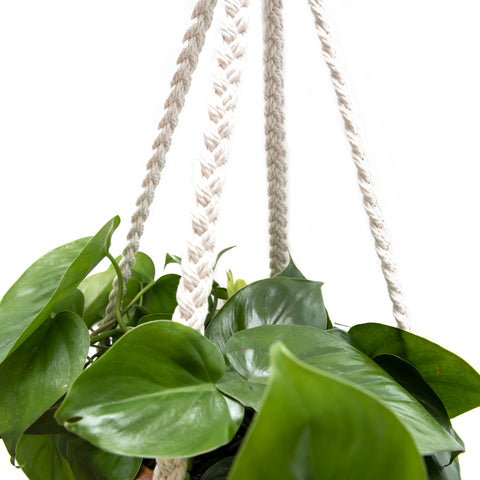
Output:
x=197 y=263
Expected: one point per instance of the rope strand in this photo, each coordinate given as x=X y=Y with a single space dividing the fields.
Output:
x=365 y=179
x=187 y=61
x=275 y=134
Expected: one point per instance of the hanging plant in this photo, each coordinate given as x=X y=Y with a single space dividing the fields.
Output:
x=273 y=389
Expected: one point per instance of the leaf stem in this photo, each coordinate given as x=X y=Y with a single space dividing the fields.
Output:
x=138 y=295
x=101 y=336
x=118 y=313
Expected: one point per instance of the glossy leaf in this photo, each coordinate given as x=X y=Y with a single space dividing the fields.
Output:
x=248 y=353
x=32 y=298
x=162 y=297
x=40 y=459
x=335 y=431
x=73 y=302
x=455 y=382
x=274 y=301
x=161 y=399
x=39 y=372
x=90 y=463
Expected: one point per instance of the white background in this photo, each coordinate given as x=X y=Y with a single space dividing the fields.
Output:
x=81 y=91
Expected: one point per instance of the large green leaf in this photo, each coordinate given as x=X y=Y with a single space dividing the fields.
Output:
x=452 y=378
x=39 y=372
x=248 y=353
x=314 y=425
x=32 y=298
x=274 y=301
x=40 y=459
x=90 y=463
x=153 y=395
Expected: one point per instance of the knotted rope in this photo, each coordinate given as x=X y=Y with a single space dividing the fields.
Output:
x=187 y=61
x=275 y=134
x=364 y=175
x=197 y=263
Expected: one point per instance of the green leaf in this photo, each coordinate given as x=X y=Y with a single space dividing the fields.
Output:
x=291 y=271
x=90 y=463
x=96 y=290
x=455 y=382
x=160 y=399
x=274 y=301
x=248 y=353
x=31 y=299
x=219 y=470
x=40 y=459
x=438 y=467
x=221 y=254
x=72 y=302
x=143 y=269
x=154 y=316
x=172 y=259
x=39 y=372
x=162 y=297
x=97 y=287
x=315 y=425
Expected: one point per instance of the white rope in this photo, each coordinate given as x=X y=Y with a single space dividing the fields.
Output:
x=364 y=175
x=275 y=134
x=197 y=264
x=187 y=61
x=170 y=469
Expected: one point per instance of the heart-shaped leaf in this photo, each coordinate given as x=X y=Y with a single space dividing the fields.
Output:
x=274 y=301
x=455 y=382
x=90 y=463
x=40 y=459
x=315 y=425
x=153 y=395
x=31 y=299
x=248 y=353
x=291 y=271
x=39 y=372
x=162 y=297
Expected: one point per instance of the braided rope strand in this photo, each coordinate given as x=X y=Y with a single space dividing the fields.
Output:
x=187 y=61
x=365 y=180
x=275 y=134
x=197 y=264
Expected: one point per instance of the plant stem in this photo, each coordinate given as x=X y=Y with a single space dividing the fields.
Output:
x=101 y=336
x=138 y=295
x=118 y=313
x=103 y=327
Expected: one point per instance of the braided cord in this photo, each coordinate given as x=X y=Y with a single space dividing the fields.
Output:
x=364 y=175
x=197 y=264
x=275 y=134
x=187 y=61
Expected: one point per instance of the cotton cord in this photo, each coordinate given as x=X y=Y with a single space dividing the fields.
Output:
x=365 y=179
x=197 y=263
x=275 y=134
x=187 y=61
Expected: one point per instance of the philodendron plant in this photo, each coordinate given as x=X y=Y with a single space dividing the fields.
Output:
x=272 y=391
